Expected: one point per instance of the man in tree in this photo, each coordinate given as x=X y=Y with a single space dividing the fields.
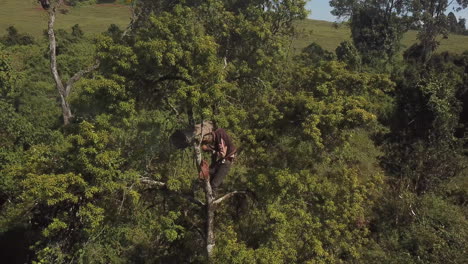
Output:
x=223 y=153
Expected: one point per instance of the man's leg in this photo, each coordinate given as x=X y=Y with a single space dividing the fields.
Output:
x=222 y=169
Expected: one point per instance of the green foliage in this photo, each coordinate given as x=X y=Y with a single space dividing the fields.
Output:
x=377 y=27
x=8 y=79
x=434 y=22
x=81 y=2
x=342 y=163
x=373 y=36
x=314 y=54
x=427 y=229
x=428 y=123
x=347 y=53
x=13 y=38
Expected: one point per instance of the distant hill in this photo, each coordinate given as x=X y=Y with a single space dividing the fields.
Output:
x=329 y=37
x=28 y=17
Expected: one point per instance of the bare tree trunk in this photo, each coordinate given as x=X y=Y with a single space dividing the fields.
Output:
x=64 y=91
x=210 y=211
x=66 y=111
x=210 y=208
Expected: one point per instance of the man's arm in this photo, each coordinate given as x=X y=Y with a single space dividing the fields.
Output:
x=207 y=148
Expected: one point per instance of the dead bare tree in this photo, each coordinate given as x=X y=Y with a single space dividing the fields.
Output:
x=63 y=90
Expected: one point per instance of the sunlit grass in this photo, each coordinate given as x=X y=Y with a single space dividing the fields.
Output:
x=329 y=37
x=28 y=17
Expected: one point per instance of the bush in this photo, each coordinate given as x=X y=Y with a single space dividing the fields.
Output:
x=347 y=53
x=14 y=38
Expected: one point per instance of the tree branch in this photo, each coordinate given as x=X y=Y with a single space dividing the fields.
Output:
x=149 y=181
x=227 y=196
x=66 y=111
x=78 y=76
x=172 y=107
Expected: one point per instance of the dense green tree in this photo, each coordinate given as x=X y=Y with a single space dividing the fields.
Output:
x=376 y=26
x=462 y=25
x=452 y=23
x=434 y=22
x=19 y=131
x=314 y=54
x=337 y=162
x=424 y=160
x=347 y=53
x=428 y=128
x=13 y=37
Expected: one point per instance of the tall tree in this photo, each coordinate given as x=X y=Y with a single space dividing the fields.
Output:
x=377 y=26
x=63 y=90
x=197 y=60
x=431 y=14
x=462 y=25
x=452 y=23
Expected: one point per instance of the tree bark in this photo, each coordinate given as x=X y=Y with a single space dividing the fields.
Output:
x=210 y=211
x=64 y=91
x=209 y=206
x=210 y=202
x=66 y=111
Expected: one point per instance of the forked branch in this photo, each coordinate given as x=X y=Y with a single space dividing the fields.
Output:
x=227 y=196
x=64 y=91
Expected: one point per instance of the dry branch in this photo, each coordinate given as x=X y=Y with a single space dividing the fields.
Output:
x=227 y=196
x=78 y=76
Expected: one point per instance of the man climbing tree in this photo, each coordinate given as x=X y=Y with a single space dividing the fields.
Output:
x=223 y=153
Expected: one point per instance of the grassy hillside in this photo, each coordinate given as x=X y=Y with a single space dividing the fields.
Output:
x=28 y=17
x=321 y=32
x=329 y=37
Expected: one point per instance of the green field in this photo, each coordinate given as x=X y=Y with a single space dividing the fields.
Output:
x=28 y=17
x=329 y=37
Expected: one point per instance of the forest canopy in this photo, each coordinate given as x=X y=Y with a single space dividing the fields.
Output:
x=352 y=156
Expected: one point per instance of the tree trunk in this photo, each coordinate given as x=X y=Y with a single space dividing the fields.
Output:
x=63 y=90
x=210 y=210
x=211 y=202
x=66 y=111
x=209 y=205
